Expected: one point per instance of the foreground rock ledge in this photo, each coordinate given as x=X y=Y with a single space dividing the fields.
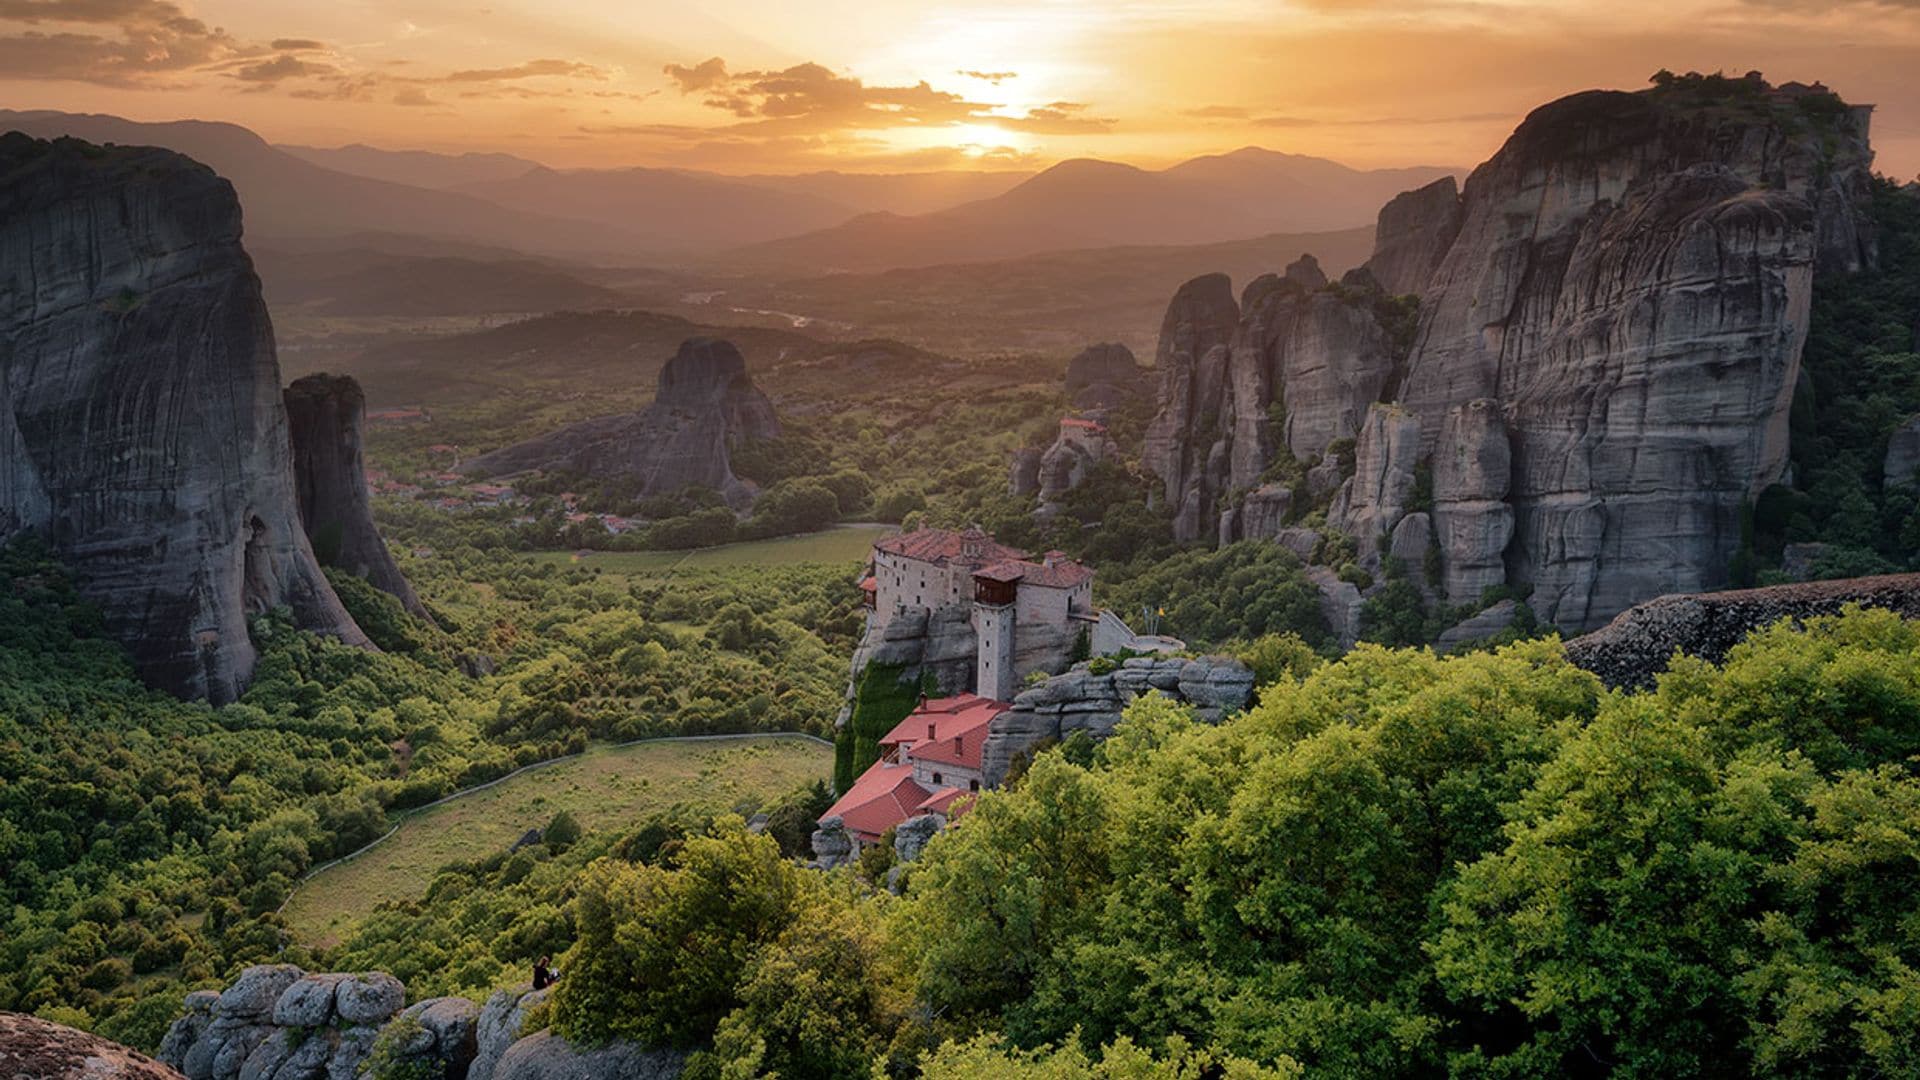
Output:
x=1636 y=646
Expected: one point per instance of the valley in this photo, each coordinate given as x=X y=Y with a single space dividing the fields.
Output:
x=1071 y=621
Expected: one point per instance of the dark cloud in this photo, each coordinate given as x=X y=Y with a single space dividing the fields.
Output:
x=813 y=99
x=530 y=69
x=412 y=96
x=704 y=75
x=298 y=44
x=124 y=43
x=284 y=66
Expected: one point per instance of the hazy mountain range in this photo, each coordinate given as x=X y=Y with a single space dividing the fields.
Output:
x=817 y=222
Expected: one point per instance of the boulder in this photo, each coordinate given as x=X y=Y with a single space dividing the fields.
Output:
x=256 y=991
x=1340 y=603
x=499 y=1027
x=36 y=1049
x=308 y=1002
x=832 y=845
x=1479 y=627
x=1216 y=686
x=452 y=1022
x=1263 y=513
x=546 y=1056
x=1302 y=542
x=369 y=998
x=910 y=836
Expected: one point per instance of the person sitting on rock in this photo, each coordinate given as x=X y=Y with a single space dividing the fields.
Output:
x=543 y=973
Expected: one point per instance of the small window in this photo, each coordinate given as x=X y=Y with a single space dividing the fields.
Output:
x=936 y=778
x=973 y=785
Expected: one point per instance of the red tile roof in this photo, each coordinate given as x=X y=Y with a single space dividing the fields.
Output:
x=971 y=546
x=1089 y=425
x=946 y=731
x=1061 y=574
x=951 y=801
x=869 y=585
x=884 y=796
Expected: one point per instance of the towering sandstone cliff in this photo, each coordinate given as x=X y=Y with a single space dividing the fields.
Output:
x=705 y=406
x=141 y=426
x=1611 y=316
x=325 y=414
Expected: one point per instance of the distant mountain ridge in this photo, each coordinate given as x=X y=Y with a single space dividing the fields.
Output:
x=1088 y=203
x=809 y=222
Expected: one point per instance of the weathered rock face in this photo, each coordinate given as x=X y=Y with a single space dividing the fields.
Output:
x=325 y=414
x=1472 y=472
x=1414 y=231
x=499 y=1028
x=141 y=426
x=1104 y=376
x=705 y=406
x=1634 y=648
x=42 y=1050
x=1378 y=495
x=1079 y=700
x=1319 y=355
x=1630 y=283
x=1192 y=361
x=1611 y=318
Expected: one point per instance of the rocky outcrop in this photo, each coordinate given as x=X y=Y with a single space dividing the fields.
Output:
x=1079 y=700
x=546 y=1056
x=277 y=1022
x=1261 y=515
x=1630 y=283
x=36 y=1049
x=1300 y=352
x=1064 y=466
x=1604 y=356
x=1898 y=468
x=1104 y=376
x=1180 y=446
x=325 y=414
x=705 y=406
x=141 y=427
x=832 y=844
x=1412 y=235
x=1635 y=647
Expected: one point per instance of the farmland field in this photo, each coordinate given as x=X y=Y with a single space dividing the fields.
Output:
x=840 y=544
x=604 y=788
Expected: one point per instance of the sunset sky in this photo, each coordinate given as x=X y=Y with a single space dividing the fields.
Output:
x=873 y=85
